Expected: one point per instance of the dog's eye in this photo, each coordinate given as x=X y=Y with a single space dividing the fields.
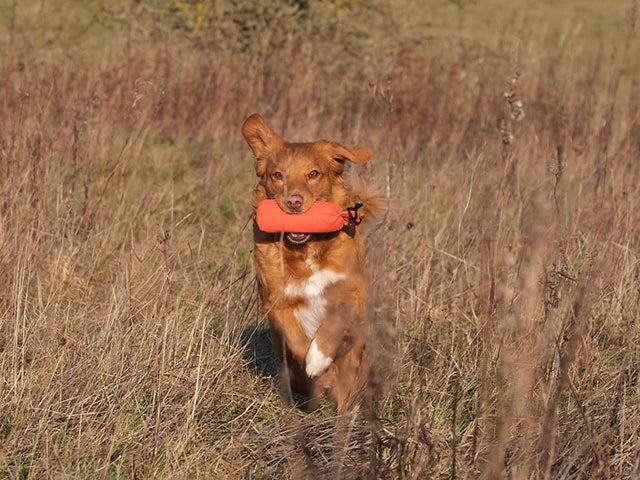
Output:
x=313 y=174
x=277 y=176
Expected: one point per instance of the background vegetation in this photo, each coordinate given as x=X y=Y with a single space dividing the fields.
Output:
x=506 y=274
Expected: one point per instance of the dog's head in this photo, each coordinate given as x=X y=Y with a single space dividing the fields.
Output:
x=298 y=174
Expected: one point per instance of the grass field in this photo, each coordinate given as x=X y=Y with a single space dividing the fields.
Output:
x=506 y=274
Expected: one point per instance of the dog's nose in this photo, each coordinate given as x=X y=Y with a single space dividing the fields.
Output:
x=294 y=202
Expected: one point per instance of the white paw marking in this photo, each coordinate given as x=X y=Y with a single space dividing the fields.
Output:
x=312 y=290
x=316 y=362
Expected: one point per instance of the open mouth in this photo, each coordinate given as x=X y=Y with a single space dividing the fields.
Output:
x=298 y=238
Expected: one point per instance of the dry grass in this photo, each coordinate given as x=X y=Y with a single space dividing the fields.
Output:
x=507 y=272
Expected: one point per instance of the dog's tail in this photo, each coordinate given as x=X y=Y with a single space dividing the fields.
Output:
x=374 y=204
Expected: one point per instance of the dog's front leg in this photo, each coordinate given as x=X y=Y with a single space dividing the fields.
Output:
x=318 y=358
x=323 y=348
x=335 y=332
x=286 y=323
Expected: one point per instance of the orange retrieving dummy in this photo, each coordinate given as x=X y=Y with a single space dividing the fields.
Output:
x=322 y=217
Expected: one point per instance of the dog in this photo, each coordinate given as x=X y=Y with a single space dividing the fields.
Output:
x=313 y=286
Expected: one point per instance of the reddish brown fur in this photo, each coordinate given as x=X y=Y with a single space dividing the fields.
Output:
x=343 y=328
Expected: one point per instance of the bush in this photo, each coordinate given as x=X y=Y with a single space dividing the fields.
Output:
x=247 y=25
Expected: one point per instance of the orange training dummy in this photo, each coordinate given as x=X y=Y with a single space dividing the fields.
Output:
x=322 y=217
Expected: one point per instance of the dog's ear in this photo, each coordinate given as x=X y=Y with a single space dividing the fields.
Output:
x=340 y=154
x=263 y=141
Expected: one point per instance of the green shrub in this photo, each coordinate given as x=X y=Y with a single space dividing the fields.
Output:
x=247 y=25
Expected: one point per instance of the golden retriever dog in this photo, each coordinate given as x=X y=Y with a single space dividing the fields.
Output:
x=313 y=285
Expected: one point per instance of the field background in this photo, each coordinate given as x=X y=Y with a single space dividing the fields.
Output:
x=506 y=293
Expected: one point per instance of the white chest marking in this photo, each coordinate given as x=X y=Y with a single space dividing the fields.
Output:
x=312 y=290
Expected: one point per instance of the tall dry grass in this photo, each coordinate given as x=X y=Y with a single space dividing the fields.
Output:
x=506 y=292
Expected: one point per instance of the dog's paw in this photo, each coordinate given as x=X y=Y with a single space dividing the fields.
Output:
x=316 y=362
